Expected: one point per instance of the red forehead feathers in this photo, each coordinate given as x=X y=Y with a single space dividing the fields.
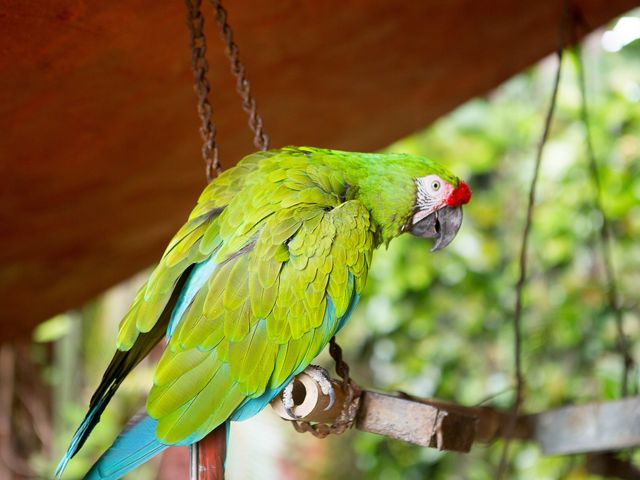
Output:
x=460 y=195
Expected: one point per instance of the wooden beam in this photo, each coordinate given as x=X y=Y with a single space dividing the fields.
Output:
x=416 y=422
x=598 y=427
x=99 y=150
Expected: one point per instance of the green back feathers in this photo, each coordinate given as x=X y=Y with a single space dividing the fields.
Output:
x=289 y=231
x=383 y=182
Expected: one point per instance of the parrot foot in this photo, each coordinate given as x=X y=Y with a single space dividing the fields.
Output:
x=321 y=376
x=318 y=375
x=287 y=400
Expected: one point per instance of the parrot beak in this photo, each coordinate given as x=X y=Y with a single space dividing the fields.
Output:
x=443 y=225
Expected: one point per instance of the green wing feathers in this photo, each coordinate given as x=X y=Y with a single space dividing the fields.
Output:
x=286 y=244
x=194 y=242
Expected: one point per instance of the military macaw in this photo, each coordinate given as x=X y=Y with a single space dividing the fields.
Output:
x=266 y=270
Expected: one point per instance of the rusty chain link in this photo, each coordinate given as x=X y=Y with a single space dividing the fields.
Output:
x=243 y=87
x=200 y=67
x=350 y=406
x=606 y=236
x=606 y=240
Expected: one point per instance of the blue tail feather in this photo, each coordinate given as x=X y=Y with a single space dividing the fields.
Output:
x=132 y=448
x=121 y=364
x=80 y=436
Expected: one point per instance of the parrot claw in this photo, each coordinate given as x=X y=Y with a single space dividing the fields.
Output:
x=287 y=400
x=321 y=377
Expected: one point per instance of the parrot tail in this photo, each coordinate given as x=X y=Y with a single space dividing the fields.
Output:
x=134 y=446
x=121 y=364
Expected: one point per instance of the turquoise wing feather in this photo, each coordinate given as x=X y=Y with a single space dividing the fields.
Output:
x=134 y=446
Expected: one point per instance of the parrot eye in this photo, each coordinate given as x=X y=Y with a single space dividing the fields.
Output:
x=431 y=187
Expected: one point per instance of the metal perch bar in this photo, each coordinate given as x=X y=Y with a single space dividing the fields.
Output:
x=595 y=427
x=416 y=422
x=207 y=456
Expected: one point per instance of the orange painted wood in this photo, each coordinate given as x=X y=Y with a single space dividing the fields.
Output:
x=99 y=148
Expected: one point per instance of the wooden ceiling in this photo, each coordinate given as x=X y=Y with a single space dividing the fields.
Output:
x=99 y=143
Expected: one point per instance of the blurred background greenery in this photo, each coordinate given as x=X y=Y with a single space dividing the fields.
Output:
x=436 y=325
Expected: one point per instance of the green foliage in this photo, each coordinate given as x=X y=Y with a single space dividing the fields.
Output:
x=440 y=324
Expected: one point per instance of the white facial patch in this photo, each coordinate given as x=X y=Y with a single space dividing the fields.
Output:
x=431 y=195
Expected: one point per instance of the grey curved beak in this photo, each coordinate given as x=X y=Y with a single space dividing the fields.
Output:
x=443 y=225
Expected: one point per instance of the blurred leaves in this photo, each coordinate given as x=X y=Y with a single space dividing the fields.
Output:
x=53 y=329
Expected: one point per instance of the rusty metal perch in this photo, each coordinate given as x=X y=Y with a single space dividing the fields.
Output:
x=597 y=427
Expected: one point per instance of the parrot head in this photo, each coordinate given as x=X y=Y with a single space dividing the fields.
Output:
x=407 y=193
x=438 y=209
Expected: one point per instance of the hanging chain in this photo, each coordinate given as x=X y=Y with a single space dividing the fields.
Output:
x=606 y=241
x=350 y=406
x=200 y=67
x=243 y=87
x=524 y=248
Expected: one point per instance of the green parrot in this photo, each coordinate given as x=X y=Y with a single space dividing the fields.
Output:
x=266 y=270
